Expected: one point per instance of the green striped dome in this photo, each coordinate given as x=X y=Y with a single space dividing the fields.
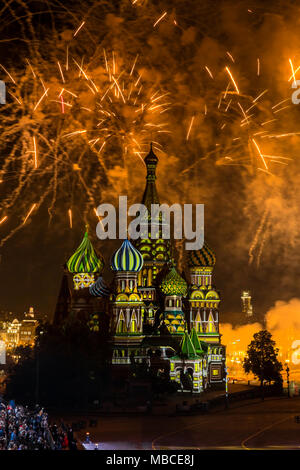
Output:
x=173 y=284
x=201 y=258
x=127 y=258
x=85 y=260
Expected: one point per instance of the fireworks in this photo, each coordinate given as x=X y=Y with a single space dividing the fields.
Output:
x=61 y=120
x=159 y=19
x=242 y=121
x=190 y=128
x=86 y=101
x=232 y=79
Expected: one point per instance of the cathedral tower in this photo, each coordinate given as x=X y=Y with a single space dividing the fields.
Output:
x=174 y=288
x=155 y=252
x=203 y=298
x=126 y=303
x=85 y=266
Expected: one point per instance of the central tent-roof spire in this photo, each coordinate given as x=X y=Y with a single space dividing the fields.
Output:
x=150 y=195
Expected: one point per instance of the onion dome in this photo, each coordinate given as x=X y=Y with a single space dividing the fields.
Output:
x=85 y=260
x=204 y=257
x=173 y=284
x=99 y=288
x=127 y=258
x=151 y=158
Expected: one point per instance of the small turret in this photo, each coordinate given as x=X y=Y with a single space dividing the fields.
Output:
x=84 y=263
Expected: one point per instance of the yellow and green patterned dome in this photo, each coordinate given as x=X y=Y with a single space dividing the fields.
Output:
x=127 y=258
x=204 y=257
x=85 y=260
x=173 y=284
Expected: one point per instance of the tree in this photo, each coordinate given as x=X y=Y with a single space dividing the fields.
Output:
x=262 y=360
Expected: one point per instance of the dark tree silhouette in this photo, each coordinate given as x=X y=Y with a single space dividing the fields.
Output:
x=262 y=360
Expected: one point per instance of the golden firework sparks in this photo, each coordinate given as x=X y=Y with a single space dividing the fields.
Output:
x=209 y=72
x=230 y=56
x=159 y=19
x=61 y=72
x=190 y=128
x=260 y=154
x=259 y=96
x=29 y=212
x=78 y=29
x=232 y=79
x=70 y=218
x=293 y=72
x=7 y=73
x=35 y=153
x=41 y=98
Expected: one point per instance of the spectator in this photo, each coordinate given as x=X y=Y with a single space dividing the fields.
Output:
x=21 y=429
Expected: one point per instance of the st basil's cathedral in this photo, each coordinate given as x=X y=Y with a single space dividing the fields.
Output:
x=149 y=306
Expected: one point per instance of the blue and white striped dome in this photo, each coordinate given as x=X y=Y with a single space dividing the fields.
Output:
x=99 y=288
x=127 y=258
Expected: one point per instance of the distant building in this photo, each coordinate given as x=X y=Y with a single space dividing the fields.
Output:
x=247 y=308
x=19 y=332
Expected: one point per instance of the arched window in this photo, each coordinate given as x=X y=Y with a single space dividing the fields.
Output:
x=144 y=277
x=211 y=324
x=133 y=324
x=121 y=326
x=198 y=323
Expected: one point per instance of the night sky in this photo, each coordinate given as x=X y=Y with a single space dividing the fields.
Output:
x=251 y=202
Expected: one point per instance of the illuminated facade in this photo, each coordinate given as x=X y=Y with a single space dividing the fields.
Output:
x=19 y=332
x=149 y=305
x=247 y=308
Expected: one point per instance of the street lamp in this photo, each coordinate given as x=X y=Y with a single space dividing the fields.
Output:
x=226 y=385
x=288 y=378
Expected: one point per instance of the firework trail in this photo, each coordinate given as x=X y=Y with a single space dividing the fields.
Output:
x=257 y=236
x=262 y=243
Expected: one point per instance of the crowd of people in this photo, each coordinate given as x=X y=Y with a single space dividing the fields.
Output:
x=24 y=429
